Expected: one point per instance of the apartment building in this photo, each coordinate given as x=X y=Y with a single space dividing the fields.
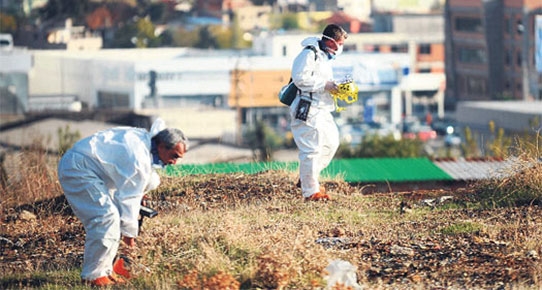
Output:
x=419 y=34
x=490 y=50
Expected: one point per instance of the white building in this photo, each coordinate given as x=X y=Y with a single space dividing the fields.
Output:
x=120 y=78
x=360 y=9
x=15 y=64
x=191 y=79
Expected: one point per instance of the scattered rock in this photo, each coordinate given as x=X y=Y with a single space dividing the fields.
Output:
x=532 y=254
x=399 y=250
x=27 y=216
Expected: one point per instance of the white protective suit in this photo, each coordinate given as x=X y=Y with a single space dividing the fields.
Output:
x=317 y=138
x=104 y=178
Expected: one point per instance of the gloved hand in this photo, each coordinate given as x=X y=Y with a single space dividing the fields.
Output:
x=144 y=200
x=331 y=87
x=130 y=242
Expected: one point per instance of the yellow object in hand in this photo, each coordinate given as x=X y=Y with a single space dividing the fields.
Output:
x=347 y=92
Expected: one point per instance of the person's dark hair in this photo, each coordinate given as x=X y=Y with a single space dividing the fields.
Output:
x=170 y=137
x=335 y=31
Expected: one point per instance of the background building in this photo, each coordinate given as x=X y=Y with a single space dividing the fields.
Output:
x=15 y=64
x=490 y=51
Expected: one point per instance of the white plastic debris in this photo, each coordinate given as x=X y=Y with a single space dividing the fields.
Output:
x=342 y=273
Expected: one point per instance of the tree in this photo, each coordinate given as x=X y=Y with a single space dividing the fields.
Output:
x=289 y=21
x=57 y=10
x=223 y=36
x=138 y=34
x=159 y=12
x=99 y=18
x=8 y=24
x=206 y=38
x=166 y=38
x=185 y=38
x=145 y=34
x=124 y=35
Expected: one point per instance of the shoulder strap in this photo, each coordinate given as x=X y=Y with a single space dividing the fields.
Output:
x=315 y=58
x=314 y=50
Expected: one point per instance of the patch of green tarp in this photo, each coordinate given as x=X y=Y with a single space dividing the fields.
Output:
x=349 y=170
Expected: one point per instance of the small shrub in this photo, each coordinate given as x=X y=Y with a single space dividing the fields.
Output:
x=374 y=146
x=518 y=185
x=66 y=139
x=263 y=141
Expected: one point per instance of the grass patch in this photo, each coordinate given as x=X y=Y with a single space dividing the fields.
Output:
x=461 y=228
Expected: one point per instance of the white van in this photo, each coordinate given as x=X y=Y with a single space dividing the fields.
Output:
x=6 y=42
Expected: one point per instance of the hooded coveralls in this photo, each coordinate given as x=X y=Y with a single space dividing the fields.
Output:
x=104 y=178
x=317 y=138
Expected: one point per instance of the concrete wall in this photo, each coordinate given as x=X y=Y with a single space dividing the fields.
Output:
x=14 y=69
x=513 y=116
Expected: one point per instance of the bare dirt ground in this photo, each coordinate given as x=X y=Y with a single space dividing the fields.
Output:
x=433 y=250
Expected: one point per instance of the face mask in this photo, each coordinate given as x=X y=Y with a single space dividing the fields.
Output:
x=339 y=50
x=331 y=52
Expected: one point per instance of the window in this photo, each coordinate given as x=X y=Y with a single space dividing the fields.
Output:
x=425 y=49
x=507 y=58
x=519 y=27
x=472 y=55
x=476 y=86
x=468 y=24
x=472 y=87
x=283 y=50
x=349 y=47
x=111 y=100
x=399 y=48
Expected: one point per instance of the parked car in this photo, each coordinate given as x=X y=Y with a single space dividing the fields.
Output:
x=6 y=42
x=441 y=126
x=422 y=132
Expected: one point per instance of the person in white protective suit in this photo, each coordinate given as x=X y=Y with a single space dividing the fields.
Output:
x=104 y=178
x=314 y=130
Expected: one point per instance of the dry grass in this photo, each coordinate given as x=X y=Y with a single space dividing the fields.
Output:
x=255 y=232
x=31 y=177
x=516 y=186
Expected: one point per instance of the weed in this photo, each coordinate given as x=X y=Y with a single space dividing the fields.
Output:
x=31 y=176
x=66 y=139
x=461 y=228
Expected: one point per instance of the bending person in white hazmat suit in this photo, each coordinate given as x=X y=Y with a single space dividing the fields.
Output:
x=315 y=132
x=104 y=178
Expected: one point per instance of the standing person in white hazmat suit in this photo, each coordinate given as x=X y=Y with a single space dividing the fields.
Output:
x=314 y=130
x=104 y=178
